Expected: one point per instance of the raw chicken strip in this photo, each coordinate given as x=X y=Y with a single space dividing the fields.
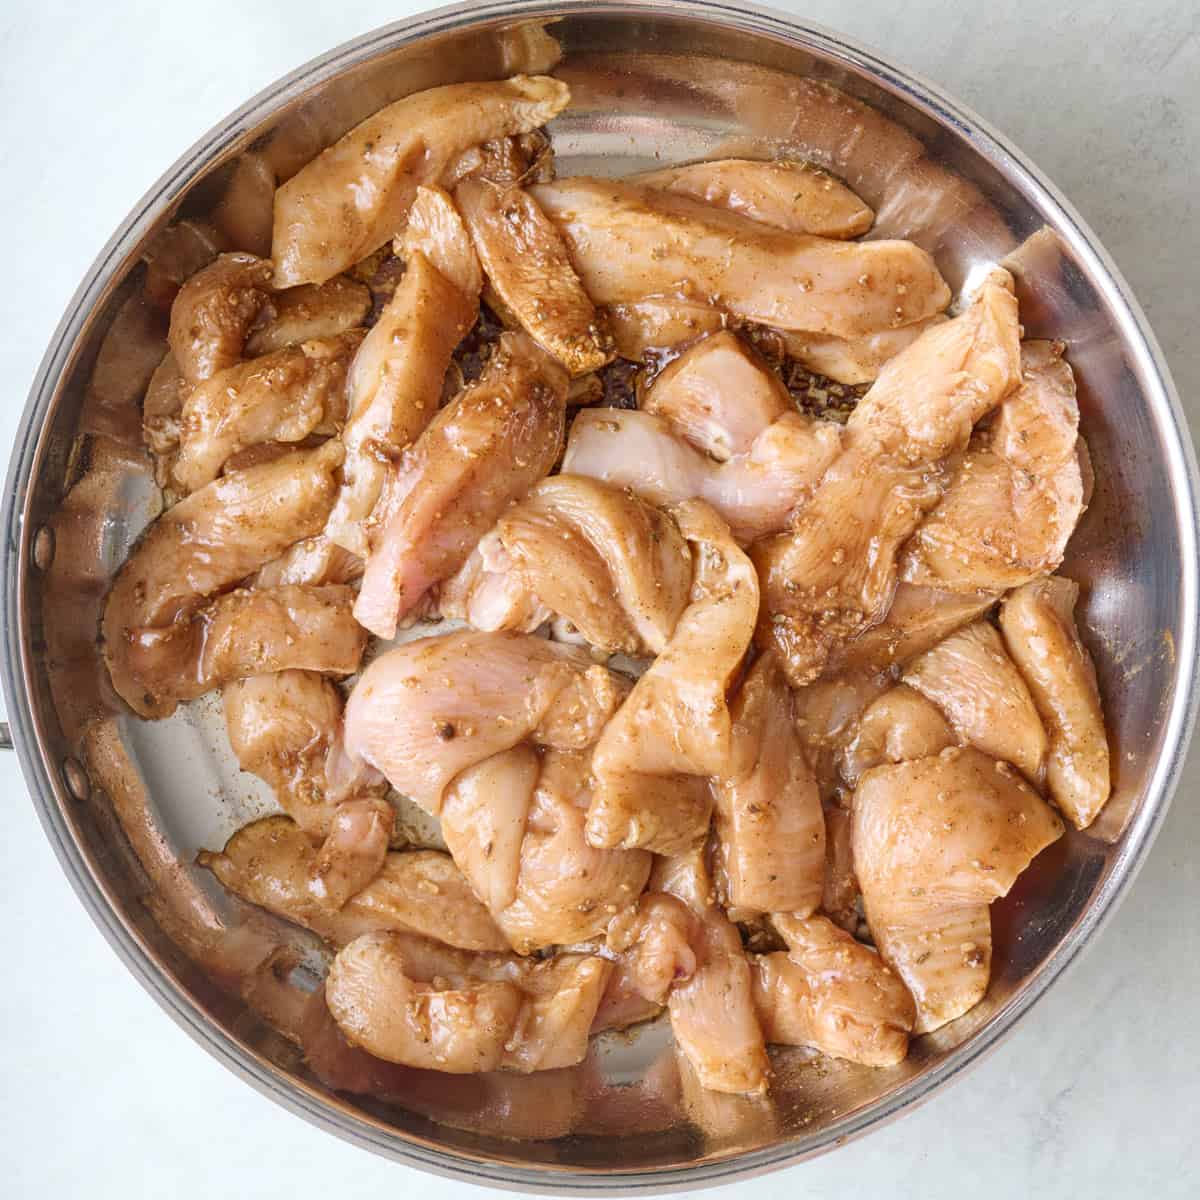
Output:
x=755 y=492
x=161 y=409
x=208 y=542
x=396 y=379
x=789 y=195
x=486 y=448
x=1014 y=500
x=304 y=313
x=656 y=323
x=769 y=823
x=937 y=840
x=656 y=941
x=839 y=900
x=833 y=576
x=356 y=194
x=833 y=994
x=409 y=1001
x=628 y=242
x=488 y=594
x=614 y=566
x=311 y=560
x=675 y=729
x=972 y=680
x=854 y=360
x=426 y=711
x=281 y=397
x=1039 y=628
x=270 y=863
x=718 y=395
x=524 y=258
x=900 y=725
x=214 y=313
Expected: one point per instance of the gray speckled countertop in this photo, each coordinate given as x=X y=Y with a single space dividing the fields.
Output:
x=101 y=1095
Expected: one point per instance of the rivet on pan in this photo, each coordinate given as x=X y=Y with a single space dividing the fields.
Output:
x=77 y=780
x=43 y=548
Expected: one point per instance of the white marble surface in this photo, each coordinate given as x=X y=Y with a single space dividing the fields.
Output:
x=101 y=1095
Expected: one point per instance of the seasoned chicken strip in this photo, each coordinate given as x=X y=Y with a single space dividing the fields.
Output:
x=1014 y=500
x=900 y=725
x=937 y=840
x=302 y=314
x=356 y=194
x=832 y=993
x=314 y=560
x=214 y=313
x=833 y=575
x=426 y=711
x=488 y=594
x=657 y=942
x=396 y=379
x=270 y=863
x=675 y=730
x=839 y=900
x=208 y=542
x=655 y=323
x=614 y=566
x=755 y=492
x=526 y=262
x=854 y=360
x=281 y=397
x=789 y=195
x=972 y=680
x=1039 y=629
x=718 y=395
x=486 y=448
x=769 y=823
x=628 y=242
x=410 y=1001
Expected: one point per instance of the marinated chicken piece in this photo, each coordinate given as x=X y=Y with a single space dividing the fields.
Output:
x=1039 y=629
x=972 y=680
x=240 y=633
x=410 y=1001
x=486 y=448
x=271 y=863
x=623 y=1004
x=755 y=492
x=656 y=941
x=839 y=900
x=508 y=161
x=488 y=594
x=515 y=827
x=657 y=323
x=524 y=258
x=396 y=379
x=628 y=242
x=356 y=194
x=833 y=575
x=208 y=542
x=917 y=620
x=162 y=407
x=712 y=1010
x=901 y=725
x=789 y=195
x=305 y=313
x=654 y=757
x=615 y=567
x=215 y=312
x=854 y=360
x=281 y=397
x=725 y=1119
x=937 y=840
x=1016 y=497
x=314 y=560
x=428 y=710
x=833 y=994
x=718 y=395
x=769 y=823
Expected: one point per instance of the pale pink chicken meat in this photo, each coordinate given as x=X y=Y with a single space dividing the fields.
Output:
x=270 y=863
x=971 y=678
x=769 y=824
x=356 y=194
x=486 y=448
x=396 y=378
x=654 y=758
x=656 y=941
x=936 y=840
x=1039 y=628
x=282 y=397
x=488 y=593
x=314 y=560
x=410 y=1001
x=789 y=195
x=832 y=576
x=655 y=323
x=755 y=492
x=428 y=710
x=854 y=360
x=526 y=262
x=302 y=314
x=900 y=725
x=1015 y=498
x=832 y=993
x=628 y=241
